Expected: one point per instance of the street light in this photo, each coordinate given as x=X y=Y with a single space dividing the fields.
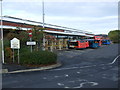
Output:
x=43 y=13
x=43 y=25
x=2 y=34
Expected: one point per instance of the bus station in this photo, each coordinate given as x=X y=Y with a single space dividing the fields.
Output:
x=59 y=44
x=58 y=35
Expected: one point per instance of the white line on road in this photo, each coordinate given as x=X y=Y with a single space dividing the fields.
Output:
x=82 y=84
x=114 y=60
x=64 y=69
x=60 y=84
x=66 y=75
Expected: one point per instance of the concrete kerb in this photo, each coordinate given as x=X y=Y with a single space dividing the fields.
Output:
x=36 y=69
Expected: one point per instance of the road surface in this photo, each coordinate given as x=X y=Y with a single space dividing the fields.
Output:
x=88 y=68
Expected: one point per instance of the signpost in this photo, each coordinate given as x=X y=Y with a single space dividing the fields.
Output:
x=30 y=35
x=15 y=44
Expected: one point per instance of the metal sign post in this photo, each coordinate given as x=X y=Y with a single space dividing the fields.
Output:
x=30 y=35
x=18 y=56
x=13 y=56
x=31 y=45
x=2 y=35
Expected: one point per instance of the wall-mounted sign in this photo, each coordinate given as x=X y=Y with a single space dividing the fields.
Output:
x=31 y=43
x=15 y=43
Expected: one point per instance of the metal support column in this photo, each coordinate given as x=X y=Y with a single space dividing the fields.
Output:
x=2 y=35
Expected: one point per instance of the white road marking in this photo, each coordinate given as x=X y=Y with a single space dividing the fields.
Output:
x=104 y=74
x=66 y=87
x=114 y=60
x=57 y=76
x=78 y=72
x=104 y=77
x=80 y=80
x=81 y=84
x=60 y=84
x=66 y=75
x=72 y=68
x=44 y=78
x=64 y=69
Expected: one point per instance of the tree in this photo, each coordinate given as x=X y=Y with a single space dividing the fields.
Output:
x=38 y=35
x=114 y=35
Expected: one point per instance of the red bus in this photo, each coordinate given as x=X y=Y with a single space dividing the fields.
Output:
x=98 y=37
x=78 y=44
x=87 y=43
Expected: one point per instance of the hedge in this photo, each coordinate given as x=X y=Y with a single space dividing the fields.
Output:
x=38 y=57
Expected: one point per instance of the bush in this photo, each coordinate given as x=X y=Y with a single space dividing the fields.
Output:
x=7 y=51
x=38 y=58
x=114 y=36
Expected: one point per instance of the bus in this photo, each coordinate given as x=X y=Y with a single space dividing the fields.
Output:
x=77 y=44
x=82 y=44
x=94 y=43
x=106 y=42
x=87 y=43
x=98 y=37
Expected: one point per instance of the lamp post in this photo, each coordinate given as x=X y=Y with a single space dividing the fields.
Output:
x=43 y=25
x=2 y=34
x=43 y=12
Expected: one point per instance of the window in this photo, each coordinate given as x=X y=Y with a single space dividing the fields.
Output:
x=73 y=43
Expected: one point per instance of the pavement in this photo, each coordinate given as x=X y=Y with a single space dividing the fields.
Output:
x=12 y=68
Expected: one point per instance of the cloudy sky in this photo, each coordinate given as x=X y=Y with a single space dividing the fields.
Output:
x=99 y=17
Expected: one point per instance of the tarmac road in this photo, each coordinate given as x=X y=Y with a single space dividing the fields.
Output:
x=89 y=68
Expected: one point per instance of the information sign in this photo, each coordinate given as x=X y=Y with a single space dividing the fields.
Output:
x=31 y=43
x=15 y=43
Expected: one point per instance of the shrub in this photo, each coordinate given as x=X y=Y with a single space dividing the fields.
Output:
x=38 y=57
x=114 y=36
x=8 y=54
x=7 y=51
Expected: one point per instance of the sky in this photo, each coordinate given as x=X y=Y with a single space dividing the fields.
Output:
x=96 y=16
